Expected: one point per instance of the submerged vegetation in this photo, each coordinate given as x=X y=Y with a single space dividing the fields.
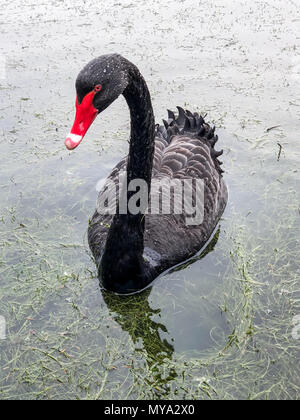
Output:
x=65 y=341
x=217 y=327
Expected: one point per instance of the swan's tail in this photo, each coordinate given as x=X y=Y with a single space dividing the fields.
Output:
x=192 y=125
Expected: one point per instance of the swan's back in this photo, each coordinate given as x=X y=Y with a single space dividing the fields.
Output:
x=184 y=149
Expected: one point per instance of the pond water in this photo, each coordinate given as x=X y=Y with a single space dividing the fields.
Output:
x=222 y=326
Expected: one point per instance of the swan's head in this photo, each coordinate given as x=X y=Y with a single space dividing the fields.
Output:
x=98 y=84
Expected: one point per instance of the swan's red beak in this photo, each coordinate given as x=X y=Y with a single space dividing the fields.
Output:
x=85 y=115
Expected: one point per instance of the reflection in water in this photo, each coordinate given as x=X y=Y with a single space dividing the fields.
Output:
x=134 y=314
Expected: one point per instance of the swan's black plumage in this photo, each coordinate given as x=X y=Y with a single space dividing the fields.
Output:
x=132 y=250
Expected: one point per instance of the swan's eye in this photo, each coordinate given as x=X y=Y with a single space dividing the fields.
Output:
x=97 y=88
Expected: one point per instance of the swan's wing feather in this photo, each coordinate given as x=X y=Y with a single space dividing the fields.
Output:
x=185 y=150
x=179 y=136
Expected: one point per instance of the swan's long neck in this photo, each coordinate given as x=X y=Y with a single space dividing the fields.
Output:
x=124 y=245
x=141 y=147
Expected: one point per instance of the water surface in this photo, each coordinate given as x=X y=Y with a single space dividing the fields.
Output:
x=219 y=327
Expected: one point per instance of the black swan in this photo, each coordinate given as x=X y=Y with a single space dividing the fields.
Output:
x=132 y=248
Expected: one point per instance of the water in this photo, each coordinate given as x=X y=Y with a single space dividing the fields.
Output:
x=219 y=327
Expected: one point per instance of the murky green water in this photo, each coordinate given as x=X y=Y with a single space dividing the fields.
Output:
x=221 y=327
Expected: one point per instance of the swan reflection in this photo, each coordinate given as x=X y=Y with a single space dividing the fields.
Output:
x=135 y=316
